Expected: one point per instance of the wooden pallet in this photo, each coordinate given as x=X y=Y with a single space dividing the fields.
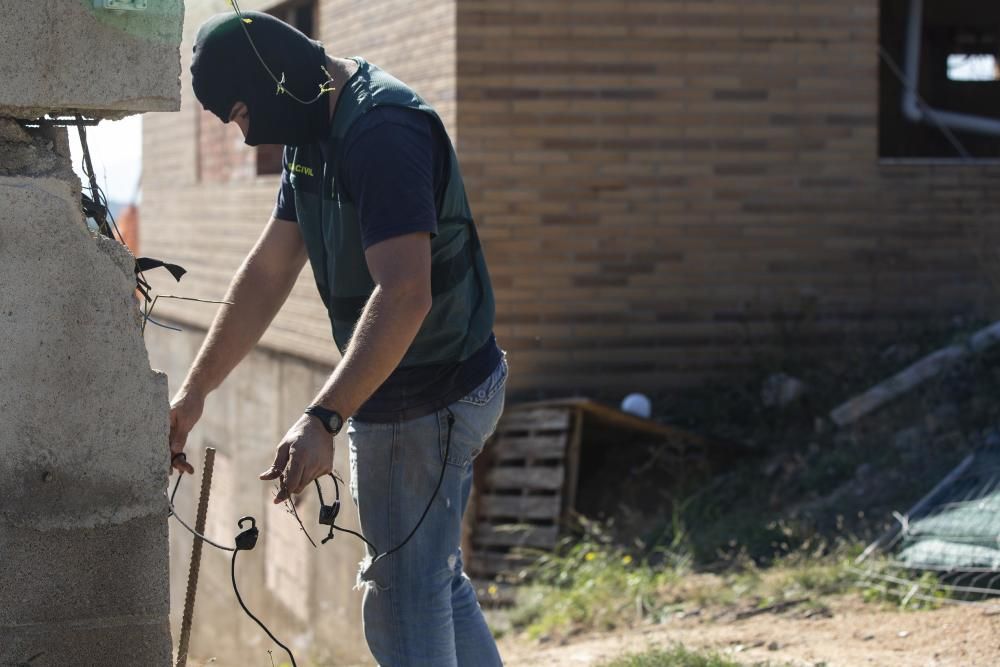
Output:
x=522 y=494
x=526 y=484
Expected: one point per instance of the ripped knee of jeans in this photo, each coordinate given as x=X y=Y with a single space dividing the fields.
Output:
x=372 y=575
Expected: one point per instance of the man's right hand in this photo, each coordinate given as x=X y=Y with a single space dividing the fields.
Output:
x=185 y=411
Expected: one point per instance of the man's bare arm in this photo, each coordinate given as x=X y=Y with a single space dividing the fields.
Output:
x=256 y=292
x=401 y=269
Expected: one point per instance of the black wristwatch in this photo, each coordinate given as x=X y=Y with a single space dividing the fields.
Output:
x=331 y=419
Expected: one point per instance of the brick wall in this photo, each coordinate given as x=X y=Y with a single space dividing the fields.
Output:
x=222 y=157
x=665 y=190
x=668 y=189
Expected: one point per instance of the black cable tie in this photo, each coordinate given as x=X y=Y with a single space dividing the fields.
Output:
x=147 y=263
x=328 y=513
x=247 y=540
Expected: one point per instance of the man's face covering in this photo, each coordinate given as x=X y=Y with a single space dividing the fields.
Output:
x=225 y=70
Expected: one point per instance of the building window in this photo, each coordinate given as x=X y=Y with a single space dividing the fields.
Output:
x=302 y=15
x=972 y=67
x=939 y=84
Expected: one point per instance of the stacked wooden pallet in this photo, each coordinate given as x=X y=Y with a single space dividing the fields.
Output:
x=521 y=494
x=527 y=480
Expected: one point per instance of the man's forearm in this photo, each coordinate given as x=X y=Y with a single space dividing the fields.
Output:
x=256 y=293
x=387 y=327
x=236 y=329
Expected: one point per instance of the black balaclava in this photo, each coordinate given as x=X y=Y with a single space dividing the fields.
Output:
x=225 y=70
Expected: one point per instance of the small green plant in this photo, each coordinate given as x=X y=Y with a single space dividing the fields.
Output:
x=592 y=584
x=677 y=656
x=898 y=588
x=817 y=569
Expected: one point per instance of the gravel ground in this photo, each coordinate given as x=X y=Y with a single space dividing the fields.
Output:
x=853 y=634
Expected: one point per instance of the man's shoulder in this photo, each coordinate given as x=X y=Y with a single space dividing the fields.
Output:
x=390 y=128
x=388 y=115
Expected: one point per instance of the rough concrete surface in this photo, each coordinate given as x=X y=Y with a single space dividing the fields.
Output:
x=83 y=535
x=41 y=152
x=61 y=56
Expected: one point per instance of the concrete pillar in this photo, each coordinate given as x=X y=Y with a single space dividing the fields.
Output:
x=83 y=418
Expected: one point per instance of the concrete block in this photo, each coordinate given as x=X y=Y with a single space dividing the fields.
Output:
x=90 y=610
x=37 y=153
x=84 y=416
x=83 y=439
x=62 y=56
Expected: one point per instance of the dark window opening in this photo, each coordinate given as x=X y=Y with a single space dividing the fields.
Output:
x=959 y=43
x=302 y=15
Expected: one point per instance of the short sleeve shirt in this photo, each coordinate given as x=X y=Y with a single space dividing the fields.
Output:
x=395 y=171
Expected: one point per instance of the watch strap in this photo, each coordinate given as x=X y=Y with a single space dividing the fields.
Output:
x=331 y=419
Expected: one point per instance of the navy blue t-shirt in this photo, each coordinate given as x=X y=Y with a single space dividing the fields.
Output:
x=395 y=170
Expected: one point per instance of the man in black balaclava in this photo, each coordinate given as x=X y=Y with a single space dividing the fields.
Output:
x=225 y=70
x=371 y=194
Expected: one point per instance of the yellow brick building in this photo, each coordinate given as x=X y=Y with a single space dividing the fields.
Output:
x=652 y=179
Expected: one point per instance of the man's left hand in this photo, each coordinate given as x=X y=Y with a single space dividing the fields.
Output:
x=304 y=454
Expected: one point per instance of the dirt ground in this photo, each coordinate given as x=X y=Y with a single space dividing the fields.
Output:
x=854 y=633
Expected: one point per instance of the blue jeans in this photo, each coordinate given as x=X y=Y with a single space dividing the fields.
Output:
x=419 y=606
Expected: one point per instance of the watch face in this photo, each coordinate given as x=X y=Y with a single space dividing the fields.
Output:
x=331 y=421
x=335 y=422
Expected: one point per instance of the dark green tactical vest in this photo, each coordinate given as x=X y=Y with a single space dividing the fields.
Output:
x=461 y=317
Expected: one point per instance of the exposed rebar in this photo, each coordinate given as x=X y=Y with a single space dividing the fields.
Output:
x=195 y=567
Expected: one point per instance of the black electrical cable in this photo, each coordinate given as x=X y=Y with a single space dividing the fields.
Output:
x=379 y=556
x=245 y=541
x=239 y=598
x=173 y=513
x=444 y=467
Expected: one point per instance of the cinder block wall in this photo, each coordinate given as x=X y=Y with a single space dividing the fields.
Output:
x=659 y=182
x=83 y=522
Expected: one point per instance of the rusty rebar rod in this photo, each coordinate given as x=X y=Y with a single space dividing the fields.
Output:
x=195 y=567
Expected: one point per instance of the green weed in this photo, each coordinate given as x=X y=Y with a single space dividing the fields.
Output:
x=898 y=588
x=592 y=584
x=677 y=656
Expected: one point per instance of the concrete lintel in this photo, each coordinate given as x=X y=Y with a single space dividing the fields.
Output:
x=66 y=56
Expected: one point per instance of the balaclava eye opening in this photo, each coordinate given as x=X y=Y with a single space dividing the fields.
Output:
x=225 y=70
